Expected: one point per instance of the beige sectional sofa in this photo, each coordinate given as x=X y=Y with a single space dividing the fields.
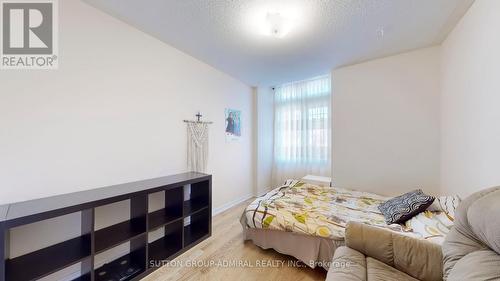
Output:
x=471 y=250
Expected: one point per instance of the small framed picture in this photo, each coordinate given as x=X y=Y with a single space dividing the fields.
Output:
x=233 y=124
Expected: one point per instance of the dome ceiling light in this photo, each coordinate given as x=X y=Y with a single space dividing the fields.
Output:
x=274 y=18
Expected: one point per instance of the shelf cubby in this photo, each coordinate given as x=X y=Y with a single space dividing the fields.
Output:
x=124 y=268
x=198 y=229
x=46 y=261
x=114 y=235
x=199 y=198
x=200 y=191
x=171 y=212
x=161 y=218
x=167 y=246
x=194 y=205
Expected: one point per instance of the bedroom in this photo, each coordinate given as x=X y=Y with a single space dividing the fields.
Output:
x=375 y=98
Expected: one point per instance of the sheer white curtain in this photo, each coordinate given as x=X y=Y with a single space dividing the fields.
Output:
x=302 y=134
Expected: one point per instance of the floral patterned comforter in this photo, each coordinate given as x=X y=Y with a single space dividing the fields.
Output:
x=313 y=210
x=431 y=226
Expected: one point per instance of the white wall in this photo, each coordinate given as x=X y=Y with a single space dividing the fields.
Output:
x=386 y=124
x=471 y=101
x=265 y=138
x=112 y=113
x=390 y=132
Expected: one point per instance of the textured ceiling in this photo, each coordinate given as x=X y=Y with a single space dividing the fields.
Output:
x=328 y=33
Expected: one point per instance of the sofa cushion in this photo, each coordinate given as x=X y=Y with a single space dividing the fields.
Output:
x=347 y=264
x=477 y=266
x=351 y=265
x=379 y=271
x=483 y=219
x=402 y=208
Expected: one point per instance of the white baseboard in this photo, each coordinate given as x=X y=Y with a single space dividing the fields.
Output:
x=229 y=205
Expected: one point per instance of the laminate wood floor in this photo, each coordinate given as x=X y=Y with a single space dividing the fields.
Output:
x=237 y=259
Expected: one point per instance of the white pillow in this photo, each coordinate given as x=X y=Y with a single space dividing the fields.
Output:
x=446 y=204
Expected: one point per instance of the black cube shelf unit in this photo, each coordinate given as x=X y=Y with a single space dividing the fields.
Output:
x=144 y=257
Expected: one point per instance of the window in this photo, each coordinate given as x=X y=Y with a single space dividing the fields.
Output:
x=302 y=128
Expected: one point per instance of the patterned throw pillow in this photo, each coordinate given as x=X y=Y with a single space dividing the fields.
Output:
x=404 y=207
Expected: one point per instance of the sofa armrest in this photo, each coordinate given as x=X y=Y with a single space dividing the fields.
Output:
x=418 y=258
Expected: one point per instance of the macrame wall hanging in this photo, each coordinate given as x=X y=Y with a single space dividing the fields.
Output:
x=197 y=146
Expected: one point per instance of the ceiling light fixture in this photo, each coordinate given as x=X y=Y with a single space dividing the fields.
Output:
x=274 y=18
x=278 y=26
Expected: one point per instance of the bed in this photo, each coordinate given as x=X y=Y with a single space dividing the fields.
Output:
x=308 y=221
